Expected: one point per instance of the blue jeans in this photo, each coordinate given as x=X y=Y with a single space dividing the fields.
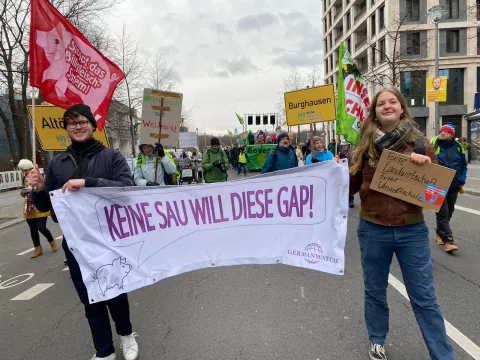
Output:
x=411 y=245
x=240 y=167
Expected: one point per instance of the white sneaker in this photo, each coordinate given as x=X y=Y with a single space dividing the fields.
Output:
x=109 y=357
x=129 y=346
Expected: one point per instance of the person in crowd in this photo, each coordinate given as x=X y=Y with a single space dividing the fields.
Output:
x=235 y=154
x=299 y=153
x=87 y=163
x=175 y=176
x=321 y=154
x=282 y=157
x=268 y=140
x=306 y=148
x=215 y=163
x=451 y=154
x=242 y=162
x=36 y=219
x=332 y=146
x=346 y=154
x=389 y=225
x=155 y=168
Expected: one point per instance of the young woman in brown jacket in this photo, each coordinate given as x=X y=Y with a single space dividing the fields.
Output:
x=389 y=225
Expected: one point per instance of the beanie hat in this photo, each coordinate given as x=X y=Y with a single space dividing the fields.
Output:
x=25 y=164
x=281 y=136
x=214 y=141
x=317 y=138
x=81 y=109
x=450 y=128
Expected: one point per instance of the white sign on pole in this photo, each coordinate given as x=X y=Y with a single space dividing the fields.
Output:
x=161 y=117
x=10 y=180
x=187 y=140
x=128 y=238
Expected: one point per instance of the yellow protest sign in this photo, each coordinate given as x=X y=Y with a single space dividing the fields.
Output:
x=311 y=105
x=49 y=128
x=437 y=89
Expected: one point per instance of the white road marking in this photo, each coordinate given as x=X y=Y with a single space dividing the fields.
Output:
x=26 y=251
x=66 y=269
x=465 y=343
x=471 y=211
x=33 y=291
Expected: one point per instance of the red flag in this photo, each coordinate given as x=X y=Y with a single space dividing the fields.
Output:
x=66 y=67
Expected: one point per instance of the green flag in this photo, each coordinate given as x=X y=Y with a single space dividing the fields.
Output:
x=230 y=133
x=240 y=119
x=352 y=100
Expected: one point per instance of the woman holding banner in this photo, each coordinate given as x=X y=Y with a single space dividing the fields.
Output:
x=389 y=225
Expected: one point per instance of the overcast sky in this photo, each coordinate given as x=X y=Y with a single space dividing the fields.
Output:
x=229 y=56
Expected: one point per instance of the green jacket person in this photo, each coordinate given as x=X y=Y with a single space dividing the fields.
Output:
x=215 y=163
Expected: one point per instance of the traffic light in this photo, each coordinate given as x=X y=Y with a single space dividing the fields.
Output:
x=265 y=119
x=257 y=120
x=272 y=119
x=250 y=120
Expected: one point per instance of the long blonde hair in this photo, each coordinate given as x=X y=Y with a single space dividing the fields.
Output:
x=368 y=132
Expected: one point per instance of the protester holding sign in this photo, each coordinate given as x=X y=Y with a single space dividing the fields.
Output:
x=389 y=225
x=451 y=154
x=87 y=163
x=215 y=163
x=147 y=174
x=282 y=157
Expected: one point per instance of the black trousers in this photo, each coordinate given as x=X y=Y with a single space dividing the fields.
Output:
x=445 y=214
x=97 y=314
x=36 y=225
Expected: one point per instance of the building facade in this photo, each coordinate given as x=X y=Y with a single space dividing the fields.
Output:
x=392 y=43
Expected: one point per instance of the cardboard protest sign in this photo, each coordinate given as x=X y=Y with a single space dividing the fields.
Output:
x=161 y=117
x=49 y=128
x=399 y=177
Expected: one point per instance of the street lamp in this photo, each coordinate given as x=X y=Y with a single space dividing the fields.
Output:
x=436 y=12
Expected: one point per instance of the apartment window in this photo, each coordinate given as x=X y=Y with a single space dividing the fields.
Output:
x=331 y=62
x=453 y=8
x=412 y=86
x=373 y=24
x=330 y=17
x=478 y=79
x=374 y=54
x=413 y=10
x=453 y=41
x=455 y=86
x=330 y=37
x=383 y=50
x=478 y=41
x=325 y=6
x=349 y=25
x=325 y=26
x=478 y=9
x=381 y=19
x=413 y=43
x=326 y=65
x=349 y=45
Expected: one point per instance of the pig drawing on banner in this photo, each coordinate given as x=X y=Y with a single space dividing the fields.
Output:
x=111 y=275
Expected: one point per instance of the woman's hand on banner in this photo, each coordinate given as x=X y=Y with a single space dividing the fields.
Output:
x=420 y=159
x=73 y=185
x=35 y=178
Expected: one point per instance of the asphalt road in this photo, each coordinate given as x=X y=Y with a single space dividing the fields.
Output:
x=239 y=312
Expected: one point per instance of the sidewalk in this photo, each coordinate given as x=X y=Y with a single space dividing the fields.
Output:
x=472 y=186
x=11 y=211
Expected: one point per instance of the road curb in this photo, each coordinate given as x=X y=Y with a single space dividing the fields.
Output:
x=11 y=223
x=472 y=192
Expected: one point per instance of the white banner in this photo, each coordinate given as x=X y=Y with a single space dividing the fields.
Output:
x=10 y=180
x=161 y=117
x=187 y=140
x=128 y=238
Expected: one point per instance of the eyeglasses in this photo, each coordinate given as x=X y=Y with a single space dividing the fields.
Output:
x=81 y=124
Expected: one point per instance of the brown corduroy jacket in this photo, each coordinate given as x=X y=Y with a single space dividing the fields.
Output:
x=383 y=209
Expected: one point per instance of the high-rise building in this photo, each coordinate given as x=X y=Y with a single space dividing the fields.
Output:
x=392 y=43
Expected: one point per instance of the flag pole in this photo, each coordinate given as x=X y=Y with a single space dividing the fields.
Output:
x=34 y=150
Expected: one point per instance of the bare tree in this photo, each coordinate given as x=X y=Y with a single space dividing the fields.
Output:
x=187 y=122
x=14 y=53
x=160 y=73
x=130 y=91
x=388 y=64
